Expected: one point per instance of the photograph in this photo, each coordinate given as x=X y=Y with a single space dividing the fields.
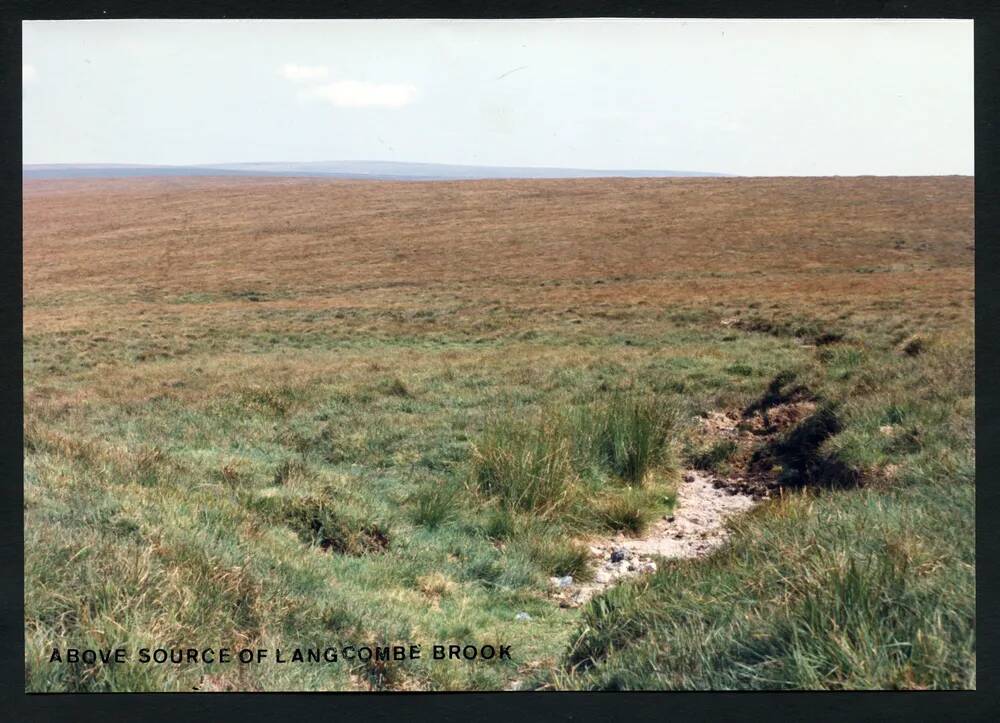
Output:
x=437 y=355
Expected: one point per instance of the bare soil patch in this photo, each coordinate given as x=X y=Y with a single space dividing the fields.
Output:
x=706 y=501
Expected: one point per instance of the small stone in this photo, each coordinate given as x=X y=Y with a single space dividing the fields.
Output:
x=647 y=567
x=564 y=581
x=618 y=554
x=522 y=616
x=670 y=519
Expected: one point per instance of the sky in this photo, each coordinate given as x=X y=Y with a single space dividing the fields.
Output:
x=741 y=97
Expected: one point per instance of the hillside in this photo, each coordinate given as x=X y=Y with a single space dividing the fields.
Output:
x=278 y=412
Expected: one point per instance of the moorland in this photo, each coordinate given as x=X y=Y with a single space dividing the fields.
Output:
x=270 y=413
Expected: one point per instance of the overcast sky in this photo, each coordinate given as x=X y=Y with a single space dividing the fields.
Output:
x=750 y=98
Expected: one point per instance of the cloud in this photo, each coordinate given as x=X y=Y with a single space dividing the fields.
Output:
x=28 y=73
x=357 y=94
x=298 y=73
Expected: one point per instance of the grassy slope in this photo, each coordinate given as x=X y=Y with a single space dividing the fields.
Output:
x=829 y=588
x=210 y=364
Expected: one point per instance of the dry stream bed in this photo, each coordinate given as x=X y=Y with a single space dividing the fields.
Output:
x=706 y=501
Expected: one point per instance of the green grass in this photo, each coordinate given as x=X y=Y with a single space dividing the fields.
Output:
x=412 y=404
x=864 y=579
x=525 y=467
x=277 y=490
x=633 y=435
x=630 y=512
x=291 y=511
x=564 y=461
x=830 y=591
x=715 y=457
x=435 y=504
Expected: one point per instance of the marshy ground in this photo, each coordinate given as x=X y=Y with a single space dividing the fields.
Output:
x=279 y=413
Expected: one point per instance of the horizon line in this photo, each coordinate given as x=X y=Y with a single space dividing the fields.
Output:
x=720 y=174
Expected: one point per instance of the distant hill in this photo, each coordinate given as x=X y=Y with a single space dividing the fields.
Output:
x=376 y=170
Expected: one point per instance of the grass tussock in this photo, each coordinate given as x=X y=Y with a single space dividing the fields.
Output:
x=435 y=504
x=555 y=554
x=558 y=462
x=630 y=512
x=632 y=435
x=289 y=471
x=525 y=467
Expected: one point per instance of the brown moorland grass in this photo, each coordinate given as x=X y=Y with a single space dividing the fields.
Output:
x=539 y=244
x=220 y=370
